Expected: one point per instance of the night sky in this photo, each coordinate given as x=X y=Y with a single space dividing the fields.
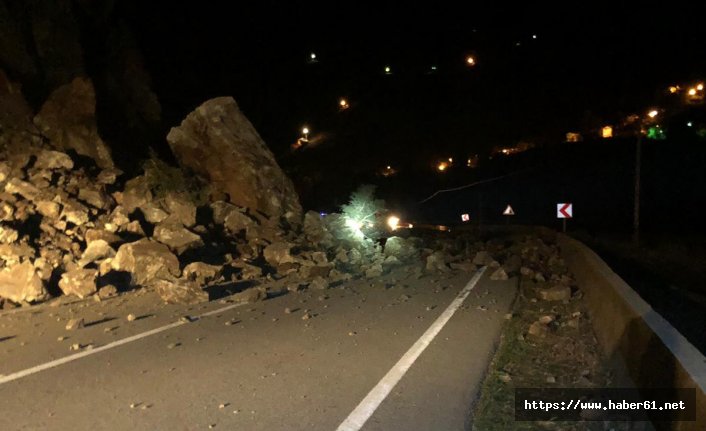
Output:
x=585 y=64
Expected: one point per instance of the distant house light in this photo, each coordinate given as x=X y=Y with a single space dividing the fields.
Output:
x=607 y=132
x=574 y=137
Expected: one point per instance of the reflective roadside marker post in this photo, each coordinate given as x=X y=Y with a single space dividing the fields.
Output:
x=564 y=211
x=507 y=213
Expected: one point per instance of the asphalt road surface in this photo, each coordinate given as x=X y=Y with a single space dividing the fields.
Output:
x=396 y=352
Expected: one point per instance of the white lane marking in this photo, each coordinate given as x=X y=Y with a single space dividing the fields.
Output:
x=114 y=344
x=377 y=395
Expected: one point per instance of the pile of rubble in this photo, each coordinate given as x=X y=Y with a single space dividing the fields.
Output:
x=63 y=230
x=71 y=224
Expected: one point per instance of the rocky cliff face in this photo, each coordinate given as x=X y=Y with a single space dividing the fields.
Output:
x=68 y=119
x=46 y=45
x=218 y=143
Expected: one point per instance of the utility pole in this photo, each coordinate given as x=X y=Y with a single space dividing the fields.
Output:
x=636 y=207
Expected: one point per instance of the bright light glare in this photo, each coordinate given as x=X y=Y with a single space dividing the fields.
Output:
x=700 y=87
x=355 y=226
x=653 y=113
x=343 y=103
x=313 y=56
x=673 y=89
x=689 y=124
x=393 y=222
x=692 y=92
x=442 y=166
x=470 y=60
x=387 y=69
x=305 y=130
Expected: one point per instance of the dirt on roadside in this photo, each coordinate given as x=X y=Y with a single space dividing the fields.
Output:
x=545 y=344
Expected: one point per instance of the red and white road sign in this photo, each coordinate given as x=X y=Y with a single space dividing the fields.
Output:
x=565 y=210
x=465 y=217
x=509 y=211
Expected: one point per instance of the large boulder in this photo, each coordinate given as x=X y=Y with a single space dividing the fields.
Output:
x=146 y=261
x=48 y=159
x=79 y=282
x=181 y=209
x=315 y=230
x=218 y=143
x=96 y=251
x=180 y=291
x=278 y=253
x=437 y=262
x=202 y=273
x=401 y=248
x=177 y=237
x=21 y=283
x=68 y=119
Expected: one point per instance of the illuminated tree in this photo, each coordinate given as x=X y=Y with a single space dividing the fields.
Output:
x=363 y=212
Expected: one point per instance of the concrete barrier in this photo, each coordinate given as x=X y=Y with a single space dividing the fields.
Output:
x=653 y=352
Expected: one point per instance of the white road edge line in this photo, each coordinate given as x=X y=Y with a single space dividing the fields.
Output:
x=377 y=395
x=114 y=344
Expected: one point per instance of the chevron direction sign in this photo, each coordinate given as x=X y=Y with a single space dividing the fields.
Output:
x=565 y=210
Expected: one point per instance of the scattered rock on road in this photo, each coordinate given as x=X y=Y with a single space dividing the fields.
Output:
x=554 y=293
x=74 y=324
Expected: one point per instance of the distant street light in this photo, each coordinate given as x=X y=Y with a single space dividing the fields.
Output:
x=441 y=167
x=470 y=60
x=343 y=104
x=653 y=113
x=388 y=70
x=673 y=89
x=700 y=87
x=305 y=132
x=692 y=92
x=312 y=56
